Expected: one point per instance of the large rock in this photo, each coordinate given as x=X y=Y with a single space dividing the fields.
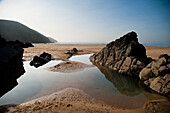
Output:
x=124 y=55
x=156 y=75
x=11 y=65
x=41 y=60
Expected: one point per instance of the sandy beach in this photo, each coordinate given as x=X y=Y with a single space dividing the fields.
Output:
x=71 y=100
x=58 y=50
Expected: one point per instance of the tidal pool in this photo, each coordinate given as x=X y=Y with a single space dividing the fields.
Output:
x=98 y=81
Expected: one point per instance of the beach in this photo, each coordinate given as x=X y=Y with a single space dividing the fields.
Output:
x=73 y=99
x=58 y=50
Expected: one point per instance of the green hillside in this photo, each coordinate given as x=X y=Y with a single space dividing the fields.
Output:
x=12 y=31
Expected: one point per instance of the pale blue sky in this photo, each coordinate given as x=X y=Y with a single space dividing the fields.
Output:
x=92 y=20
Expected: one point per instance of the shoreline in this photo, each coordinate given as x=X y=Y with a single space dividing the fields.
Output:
x=67 y=100
x=58 y=52
x=75 y=100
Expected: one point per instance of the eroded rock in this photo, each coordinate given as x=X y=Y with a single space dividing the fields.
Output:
x=41 y=60
x=156 y=75
x=124 y=55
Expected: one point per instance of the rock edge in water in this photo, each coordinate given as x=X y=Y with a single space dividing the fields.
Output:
x=41 y=60
x=126 y=56
x=11 y=65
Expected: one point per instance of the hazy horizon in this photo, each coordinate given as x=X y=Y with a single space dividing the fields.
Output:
x=92 y=20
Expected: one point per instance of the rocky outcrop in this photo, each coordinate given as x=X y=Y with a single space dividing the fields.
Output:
x=124 y=55
x=41 y=60
x=156 y=75
x=21 y=44
x=11 y=65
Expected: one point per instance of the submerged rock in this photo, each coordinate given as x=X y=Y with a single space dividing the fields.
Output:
x=124 y=55
x=11 y=65
x=156 y=75
x=41 y=60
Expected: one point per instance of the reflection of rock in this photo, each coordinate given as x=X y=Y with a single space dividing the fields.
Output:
x=124 y=84
x=125 y=55
x=156 y=75
x=11 y=65
x=41 y=60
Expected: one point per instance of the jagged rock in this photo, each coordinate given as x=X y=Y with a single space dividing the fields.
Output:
x=156 y=75
x=11 y=65
x=124 y=55
x=41 y=60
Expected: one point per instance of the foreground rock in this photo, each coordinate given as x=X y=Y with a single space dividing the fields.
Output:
x=156 y=75
x=11 y=65
x=124 y=55
x=41 y=60
x=69 y=66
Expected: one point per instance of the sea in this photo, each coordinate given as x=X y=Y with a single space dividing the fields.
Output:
x=104 y=43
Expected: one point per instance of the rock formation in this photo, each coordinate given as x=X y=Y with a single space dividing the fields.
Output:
x=41 y=60
x=128 y=57
x=156 y=75
x=21 y=44
x=11 y=65
x=124 y=55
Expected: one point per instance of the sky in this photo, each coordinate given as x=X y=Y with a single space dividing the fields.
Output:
x=92 y=20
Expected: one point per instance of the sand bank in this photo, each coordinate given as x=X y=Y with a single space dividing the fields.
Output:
x=69 y=66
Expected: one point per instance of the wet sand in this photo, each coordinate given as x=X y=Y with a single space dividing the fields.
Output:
x=69 y=66
x=75 y=100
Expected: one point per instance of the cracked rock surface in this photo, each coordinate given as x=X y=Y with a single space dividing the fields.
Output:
x=156 y=75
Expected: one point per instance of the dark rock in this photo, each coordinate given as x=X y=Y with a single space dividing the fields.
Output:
x=74 y=50
x=124 y=55
x=71 y=52
x=11 y=65
x=28 y=45
x=157 y=75
x=41 y=60
x=21 y=44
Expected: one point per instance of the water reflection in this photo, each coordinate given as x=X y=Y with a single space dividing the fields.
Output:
x=99 y=82
x=127 y=85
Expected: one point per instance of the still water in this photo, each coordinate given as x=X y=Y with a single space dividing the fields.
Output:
x=98 y=81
